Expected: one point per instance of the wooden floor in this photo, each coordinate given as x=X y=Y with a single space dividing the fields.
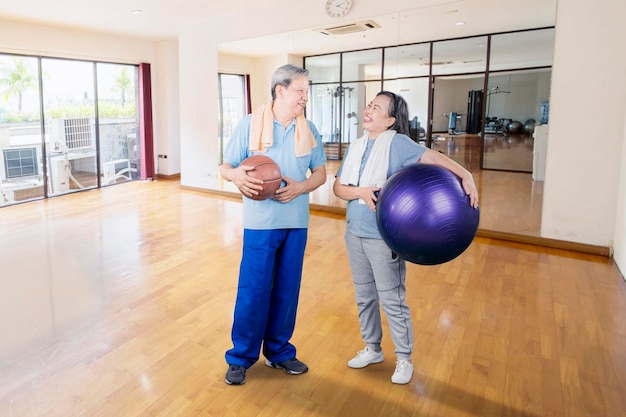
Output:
x=118 y=303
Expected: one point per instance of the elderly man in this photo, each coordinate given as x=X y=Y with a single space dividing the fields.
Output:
x=275 y=230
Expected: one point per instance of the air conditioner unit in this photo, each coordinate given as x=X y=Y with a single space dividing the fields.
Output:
x=60 y=175
x=72 y=149
x=348 y=28
x=72 y=134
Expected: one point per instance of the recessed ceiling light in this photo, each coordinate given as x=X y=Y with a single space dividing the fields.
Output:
x=137 y=11
x=459 y=23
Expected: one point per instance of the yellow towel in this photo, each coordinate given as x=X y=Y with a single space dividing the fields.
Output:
x=262 y=132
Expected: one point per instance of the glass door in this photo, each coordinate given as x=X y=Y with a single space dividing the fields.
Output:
x=69 y=112
x=118 y=123
x=21 y=173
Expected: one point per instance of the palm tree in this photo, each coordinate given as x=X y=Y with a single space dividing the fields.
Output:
x=16 y=77
x=124 y=84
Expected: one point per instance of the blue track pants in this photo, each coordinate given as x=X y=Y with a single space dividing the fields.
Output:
x=267 y=297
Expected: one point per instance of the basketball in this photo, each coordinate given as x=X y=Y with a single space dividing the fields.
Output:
x=267 y=170
x=424 y=215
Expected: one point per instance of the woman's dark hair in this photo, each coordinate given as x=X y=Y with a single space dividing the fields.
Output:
x=398 y=109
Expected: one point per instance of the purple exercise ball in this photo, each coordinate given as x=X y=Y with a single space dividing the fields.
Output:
x=424 y=215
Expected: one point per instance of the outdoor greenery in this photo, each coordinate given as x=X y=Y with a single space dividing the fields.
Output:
x=124 y=84
x=105 y=110
x=17 y=77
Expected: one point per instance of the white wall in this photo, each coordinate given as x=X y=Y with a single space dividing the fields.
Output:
x=198 y=108
x=260 y=80
x=587 y=114
x=620 y=220
x=23 y=38
x=233 y=64
x=165 y=76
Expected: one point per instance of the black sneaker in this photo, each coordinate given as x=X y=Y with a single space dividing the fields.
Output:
x=236 y=375
x=291 y=366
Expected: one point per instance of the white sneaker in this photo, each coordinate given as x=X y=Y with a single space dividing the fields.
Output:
x=403 y=373
x=366 y=357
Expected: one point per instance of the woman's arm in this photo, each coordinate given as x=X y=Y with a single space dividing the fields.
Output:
x=437 y=158
x=349 y=192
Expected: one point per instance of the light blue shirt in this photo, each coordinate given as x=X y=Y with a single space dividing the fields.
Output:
x=270 y=214
x=360 y=219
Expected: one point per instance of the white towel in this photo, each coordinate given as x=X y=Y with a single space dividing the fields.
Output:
x=377 y=165
x=262 y=132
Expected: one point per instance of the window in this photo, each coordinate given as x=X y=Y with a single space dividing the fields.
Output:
x=232 y=106
x=118 y=127
x=88 y=113
x=20 y=162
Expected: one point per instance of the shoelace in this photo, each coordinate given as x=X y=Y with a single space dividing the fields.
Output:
x=402 y=366
x=365 y=352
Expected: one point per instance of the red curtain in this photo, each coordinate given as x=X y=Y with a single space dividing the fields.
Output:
x=145 y=123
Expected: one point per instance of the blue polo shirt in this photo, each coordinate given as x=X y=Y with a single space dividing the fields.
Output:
x=270 y=214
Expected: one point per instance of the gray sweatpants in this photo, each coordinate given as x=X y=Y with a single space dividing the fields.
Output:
x=379 y=280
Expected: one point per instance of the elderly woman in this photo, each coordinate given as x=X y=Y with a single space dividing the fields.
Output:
x=378 y=274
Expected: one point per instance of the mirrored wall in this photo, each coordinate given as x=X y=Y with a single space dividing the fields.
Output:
x=482 y=101
x=453 y=86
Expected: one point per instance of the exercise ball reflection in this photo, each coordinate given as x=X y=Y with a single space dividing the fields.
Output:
x=529 y=126
x=424 y=215
x=514 y=127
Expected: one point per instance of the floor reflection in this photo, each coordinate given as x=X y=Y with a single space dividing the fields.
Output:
x=41 y=269
x=509 y=152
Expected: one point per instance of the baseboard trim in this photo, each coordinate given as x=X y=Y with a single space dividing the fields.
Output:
x=169 y=177
x=547 y=242
x=491 y=234
x=228 y=194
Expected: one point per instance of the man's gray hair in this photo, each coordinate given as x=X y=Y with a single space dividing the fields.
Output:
x=285 y=74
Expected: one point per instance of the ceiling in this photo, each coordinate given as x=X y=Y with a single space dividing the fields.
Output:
x=162 y=19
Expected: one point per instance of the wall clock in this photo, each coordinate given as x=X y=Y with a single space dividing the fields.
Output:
x=337 y=8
